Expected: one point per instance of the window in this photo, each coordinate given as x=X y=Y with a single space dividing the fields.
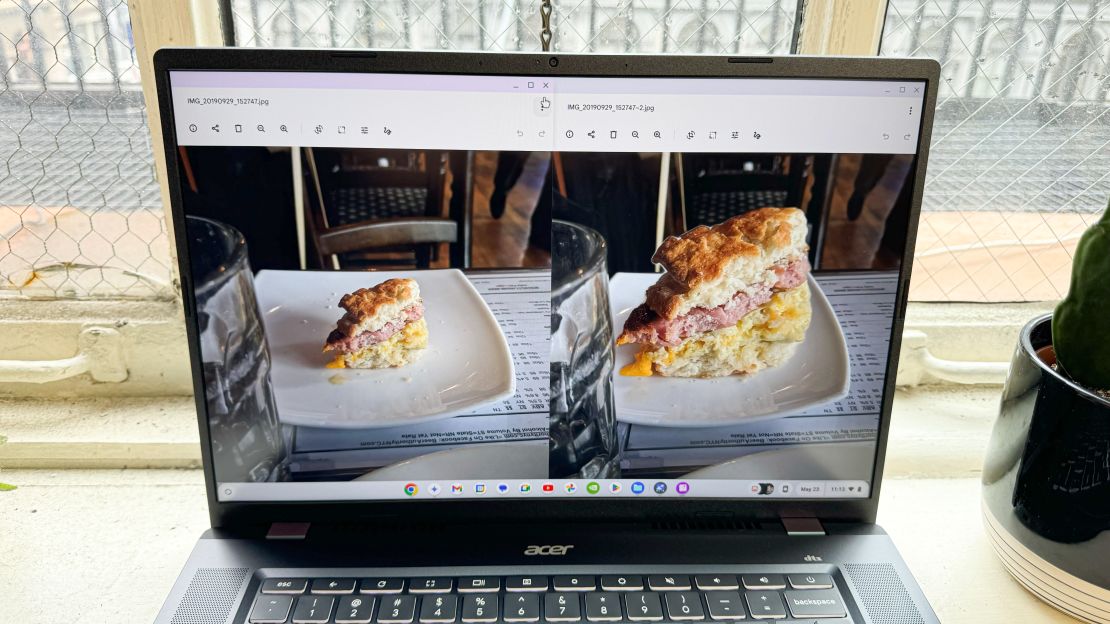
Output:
x=613 y=26
x=1020 y=160
x=80 y=214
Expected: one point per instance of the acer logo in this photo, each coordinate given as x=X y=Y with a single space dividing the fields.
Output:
x=548 y=549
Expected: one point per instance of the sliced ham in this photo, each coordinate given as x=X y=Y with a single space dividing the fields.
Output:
x=647 y=327
x=338 y=341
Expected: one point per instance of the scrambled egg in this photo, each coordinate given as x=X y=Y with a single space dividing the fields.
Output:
x=784 y=319
x=400 y=349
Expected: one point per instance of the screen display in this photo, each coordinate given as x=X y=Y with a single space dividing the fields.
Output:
x=434 y=287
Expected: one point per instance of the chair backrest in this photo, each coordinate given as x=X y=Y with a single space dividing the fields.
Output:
x=384 y=177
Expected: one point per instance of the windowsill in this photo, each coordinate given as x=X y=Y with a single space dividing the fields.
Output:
x=938 y=431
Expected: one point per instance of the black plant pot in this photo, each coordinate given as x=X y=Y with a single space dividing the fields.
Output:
x=1046 y=479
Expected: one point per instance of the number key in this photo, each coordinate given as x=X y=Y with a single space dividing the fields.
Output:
x=522 y=608
x=479 y=608
x=313 y=609
x=397 y=610
x=643 y=607
x=355 y=610
x=684 y=606
x=562 y=607
x=603 y=607
x=438 y=609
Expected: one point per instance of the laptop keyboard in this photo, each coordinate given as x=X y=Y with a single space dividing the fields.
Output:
x=536 y=599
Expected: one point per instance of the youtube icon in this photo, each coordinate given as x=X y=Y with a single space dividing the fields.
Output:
x=548 y=487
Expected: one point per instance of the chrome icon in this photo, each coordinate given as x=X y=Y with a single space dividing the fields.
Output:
x=411 y=489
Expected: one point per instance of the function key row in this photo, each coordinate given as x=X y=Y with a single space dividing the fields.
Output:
x=566 y=583
x=556 y=607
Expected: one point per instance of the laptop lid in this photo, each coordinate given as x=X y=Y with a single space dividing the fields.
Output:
x=405 y=276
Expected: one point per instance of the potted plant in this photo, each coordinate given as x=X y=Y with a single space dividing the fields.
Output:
x=1046 y=478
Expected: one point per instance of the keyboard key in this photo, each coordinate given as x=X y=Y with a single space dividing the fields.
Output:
x=603 y=607
x=271 y=609
x=382 y=585
x=313 y=610
x=815 y=603
x=684 y=606
x=479 y=608
x=622 y=583
x=765 y=604
x=284 y=586
x=643 y=607
x=562 y=607
x=668 y=582
x=522 y=608
x=526 y=583
x=397 y=610
x=575 y=583
x=713 y=582
x=764 y=581
x=476 y=584
x=810 y=581
x=725 y=605
x=431 y=585
x=439 y=609
x=354 y=610
x=333 y=586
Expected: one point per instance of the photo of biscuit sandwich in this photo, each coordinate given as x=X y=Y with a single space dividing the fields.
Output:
x=383 y=327
x=734 y=299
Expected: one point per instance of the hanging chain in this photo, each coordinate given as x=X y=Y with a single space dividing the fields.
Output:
x=545 y=31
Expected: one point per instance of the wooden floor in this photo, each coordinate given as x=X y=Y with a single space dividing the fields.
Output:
x=503 y=242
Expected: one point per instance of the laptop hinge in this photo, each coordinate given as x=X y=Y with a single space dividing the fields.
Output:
x=803 y=526
x=288 y=530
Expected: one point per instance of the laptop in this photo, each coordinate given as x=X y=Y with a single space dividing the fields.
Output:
x=405 y=275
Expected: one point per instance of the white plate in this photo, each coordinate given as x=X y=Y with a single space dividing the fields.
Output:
x=818 y=373
x=499 y=460
x=467 y=363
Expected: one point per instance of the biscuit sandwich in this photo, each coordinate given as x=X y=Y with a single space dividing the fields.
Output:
x=733 y=300
x=383 y=327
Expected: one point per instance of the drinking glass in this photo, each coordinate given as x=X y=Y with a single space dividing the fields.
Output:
x=247 y=444
x=583 y=425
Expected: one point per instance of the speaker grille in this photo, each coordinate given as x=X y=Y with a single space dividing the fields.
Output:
x=882 y=594
x=210 y=596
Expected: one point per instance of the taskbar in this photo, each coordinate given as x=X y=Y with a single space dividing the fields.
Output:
x=551 y=488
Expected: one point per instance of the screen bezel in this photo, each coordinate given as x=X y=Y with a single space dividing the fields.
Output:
x=560 y=509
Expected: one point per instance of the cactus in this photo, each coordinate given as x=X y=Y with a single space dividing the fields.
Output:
x=1081 y=322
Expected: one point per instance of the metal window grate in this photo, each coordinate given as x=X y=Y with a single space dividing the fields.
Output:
x=1020 y=161
x=657 y=26
x=80 y=212
x=499 y=25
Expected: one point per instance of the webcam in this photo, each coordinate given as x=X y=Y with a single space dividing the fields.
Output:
x=553 y=61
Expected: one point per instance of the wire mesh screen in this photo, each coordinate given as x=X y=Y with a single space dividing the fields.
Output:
x=1020 y=162
x=675 y=26
x=679 y=26
x=80 y=212
x=499 y=25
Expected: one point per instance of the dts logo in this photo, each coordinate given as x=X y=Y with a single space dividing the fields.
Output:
x=548 y=549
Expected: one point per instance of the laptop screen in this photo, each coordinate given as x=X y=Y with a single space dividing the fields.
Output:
x=443 y=287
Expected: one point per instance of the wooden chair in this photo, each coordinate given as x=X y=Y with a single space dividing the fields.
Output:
x=378 y=208
x=713 y=187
